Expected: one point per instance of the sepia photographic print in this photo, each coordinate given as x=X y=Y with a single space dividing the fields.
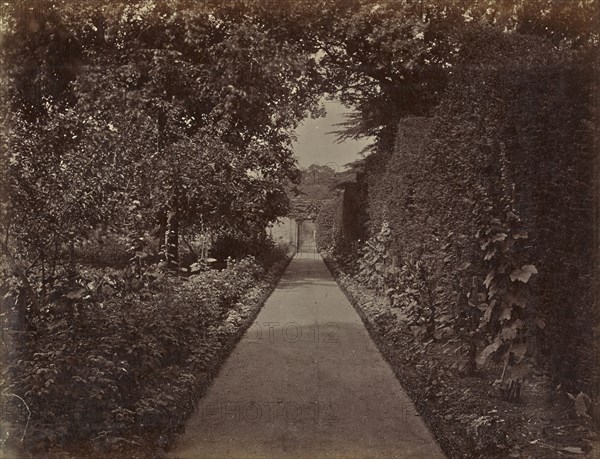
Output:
x=297 y=229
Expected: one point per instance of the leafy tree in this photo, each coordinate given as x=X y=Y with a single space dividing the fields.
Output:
x=167 y=116
x=316 y=182
x=391 y=59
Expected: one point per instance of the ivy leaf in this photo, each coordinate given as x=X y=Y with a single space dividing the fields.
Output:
x=523 y=273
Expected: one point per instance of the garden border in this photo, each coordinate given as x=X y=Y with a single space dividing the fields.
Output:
x=444 y=433
x=207 y=378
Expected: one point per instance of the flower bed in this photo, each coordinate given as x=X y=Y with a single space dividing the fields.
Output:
x=121 y=379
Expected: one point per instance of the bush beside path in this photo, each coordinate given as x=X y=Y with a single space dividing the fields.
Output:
x=121 y=379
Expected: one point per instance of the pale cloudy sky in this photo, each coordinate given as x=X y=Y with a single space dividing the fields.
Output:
x=315 y=145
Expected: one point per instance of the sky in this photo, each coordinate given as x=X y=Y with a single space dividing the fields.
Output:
x=315 y=145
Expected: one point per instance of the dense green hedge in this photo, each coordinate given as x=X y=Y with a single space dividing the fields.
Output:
x=329 y=224
x=496 y=185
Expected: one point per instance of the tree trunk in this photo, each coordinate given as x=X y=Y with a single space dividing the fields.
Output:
x=26 y=295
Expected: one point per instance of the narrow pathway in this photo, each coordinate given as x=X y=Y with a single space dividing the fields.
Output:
x=306 y=381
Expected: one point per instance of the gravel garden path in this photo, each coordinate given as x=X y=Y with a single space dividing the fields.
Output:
x=306 y=381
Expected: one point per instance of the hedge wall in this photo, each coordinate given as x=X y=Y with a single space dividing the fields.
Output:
x=329 y=224
x=499 y=182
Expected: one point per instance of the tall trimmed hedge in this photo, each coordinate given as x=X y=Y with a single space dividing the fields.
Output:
x=329 y=224
x=496 y=186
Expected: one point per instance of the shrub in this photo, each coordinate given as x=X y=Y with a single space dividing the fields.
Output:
x=116 y=371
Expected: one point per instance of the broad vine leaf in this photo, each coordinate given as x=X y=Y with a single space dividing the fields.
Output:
x=517 y=298
x=509 y=332
x=505 y=313
x=523 y=273
x=487 y=351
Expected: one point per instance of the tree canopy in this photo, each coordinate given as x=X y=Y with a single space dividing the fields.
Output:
x=125 y=114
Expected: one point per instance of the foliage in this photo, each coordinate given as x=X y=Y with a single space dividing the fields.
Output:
x=87 y=379
x=316 y=183
x=391 y=59
x=454 y=401
x=373 y=260
x=132 y=123
x=480 y=202
x=140 y=122
x=328 y=225
x=302 y=209
x=312 y=192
